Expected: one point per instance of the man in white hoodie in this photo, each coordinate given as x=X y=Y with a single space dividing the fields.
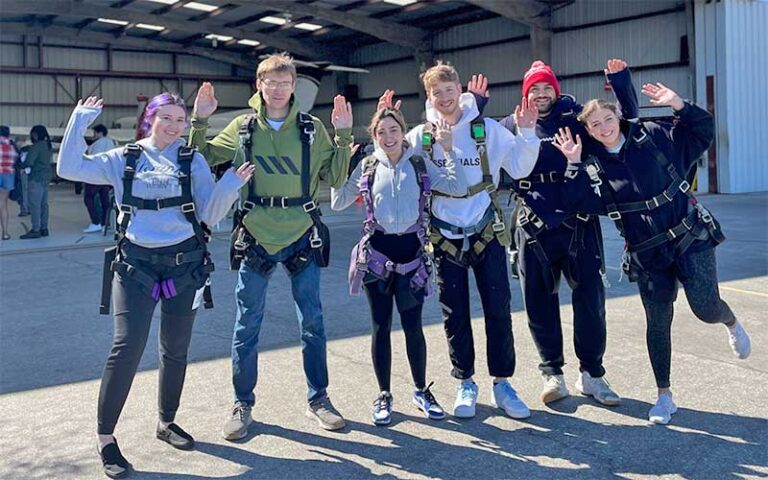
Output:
x=469 y=231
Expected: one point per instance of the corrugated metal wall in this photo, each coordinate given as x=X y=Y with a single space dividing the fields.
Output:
x=502 y=52
x=746 y=71
x=732 y=48
x=33 y=98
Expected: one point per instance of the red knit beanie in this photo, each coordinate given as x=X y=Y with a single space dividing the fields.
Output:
x=539 y=72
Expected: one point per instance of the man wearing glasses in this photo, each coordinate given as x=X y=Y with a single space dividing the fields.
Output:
x=279 y=223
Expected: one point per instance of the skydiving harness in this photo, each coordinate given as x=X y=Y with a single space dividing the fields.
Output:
x=698 y=221
x=490 y=226
x=365 y=258
x=533 y=226
x=243 y=243
x=114 y=260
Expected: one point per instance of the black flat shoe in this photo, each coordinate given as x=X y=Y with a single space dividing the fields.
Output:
x=175 y=437
x=114 y=463
x=44 y=232
x=30 y=234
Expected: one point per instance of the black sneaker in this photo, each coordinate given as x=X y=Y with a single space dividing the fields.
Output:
x=30 y=234
x=174 y=436
x=113 y=462
x=44 y=232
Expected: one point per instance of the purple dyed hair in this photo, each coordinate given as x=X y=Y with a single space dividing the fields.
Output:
x=150 y=111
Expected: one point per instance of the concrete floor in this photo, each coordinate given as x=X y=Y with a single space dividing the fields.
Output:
x=53 y=345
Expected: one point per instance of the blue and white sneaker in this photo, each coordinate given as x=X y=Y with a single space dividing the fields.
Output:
x=466 y=398
x=427 y=403
x=382 y=409
x=505 y=397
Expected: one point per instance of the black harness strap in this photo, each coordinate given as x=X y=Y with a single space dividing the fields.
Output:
x=112 y=256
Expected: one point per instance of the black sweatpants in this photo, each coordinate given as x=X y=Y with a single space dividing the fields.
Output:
x=542 y=302
x=493 y=286
x=133 y=307
x=98 y=215
x=382 y=294
x=658 y=291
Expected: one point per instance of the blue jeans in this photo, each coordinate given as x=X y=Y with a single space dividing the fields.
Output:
x=250 y=295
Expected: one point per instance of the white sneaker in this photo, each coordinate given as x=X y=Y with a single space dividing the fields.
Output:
x=662 y=412
x=739 y=340
x=92 y=228
x=505 y=397
x=597 y=388
x=466 y=398
x=554 y=388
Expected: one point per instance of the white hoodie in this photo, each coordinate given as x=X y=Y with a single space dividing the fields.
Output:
x=395 y=190
x=517 y=154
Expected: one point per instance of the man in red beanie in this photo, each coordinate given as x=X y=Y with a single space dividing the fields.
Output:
x=552 y=244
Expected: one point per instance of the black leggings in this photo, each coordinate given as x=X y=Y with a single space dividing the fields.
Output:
x=658 y=290
x=134 y=307
x=381 y=297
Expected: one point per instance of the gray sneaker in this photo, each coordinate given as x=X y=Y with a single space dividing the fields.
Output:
x=326 y=415
x=236 y=426
x=554 y=388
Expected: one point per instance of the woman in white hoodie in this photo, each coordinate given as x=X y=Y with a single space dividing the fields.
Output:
x=392 y=261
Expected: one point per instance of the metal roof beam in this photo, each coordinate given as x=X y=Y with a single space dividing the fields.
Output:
x=79 y=9
x=392 y=32
x=527 y=12
x=126 y=41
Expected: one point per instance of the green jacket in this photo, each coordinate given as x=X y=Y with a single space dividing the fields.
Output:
x=277 y=156
x=39 y=160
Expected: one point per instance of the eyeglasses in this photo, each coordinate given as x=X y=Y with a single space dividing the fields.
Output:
x=273 y=85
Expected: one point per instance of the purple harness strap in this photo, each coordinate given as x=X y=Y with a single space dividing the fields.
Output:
x=365 y=258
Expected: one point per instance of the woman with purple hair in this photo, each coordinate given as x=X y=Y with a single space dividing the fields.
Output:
x=166 y=194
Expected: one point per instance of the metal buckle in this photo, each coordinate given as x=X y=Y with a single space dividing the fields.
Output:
x=179 y=259
x=667 y=195
x=316 y=242
x=684 y=186
x=614 y=215
x=188 y=207
x=524 y=184
x=652 y=203
x=553 y=177
x=584 y=217
x=671 y=234
x=271 y=201
x=126 y=208
x=490 y=188
x=282 y=202
x=309 y=206
x=389 y=265
x=704 y=214
x=498 y=227
x=248 y=205
x=523 y=220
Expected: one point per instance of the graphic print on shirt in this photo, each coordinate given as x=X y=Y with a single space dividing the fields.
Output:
x=272 y=165
x=156 y=180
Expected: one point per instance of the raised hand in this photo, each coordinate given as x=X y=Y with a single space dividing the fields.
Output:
x=526 y=116
x=444 y=134
x=341 y=116
x=245 y=171
x=615 y=65
x=569 y=147
x=90 y=102
x=385 y=101
x=479 y=86
x=663 y=96
x=205 y=101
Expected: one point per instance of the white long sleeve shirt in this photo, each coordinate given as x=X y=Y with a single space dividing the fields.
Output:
x=157 y=176
x=516 y=154
x=395 y=190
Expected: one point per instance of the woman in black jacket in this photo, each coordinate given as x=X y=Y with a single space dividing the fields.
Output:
x=638 y=180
